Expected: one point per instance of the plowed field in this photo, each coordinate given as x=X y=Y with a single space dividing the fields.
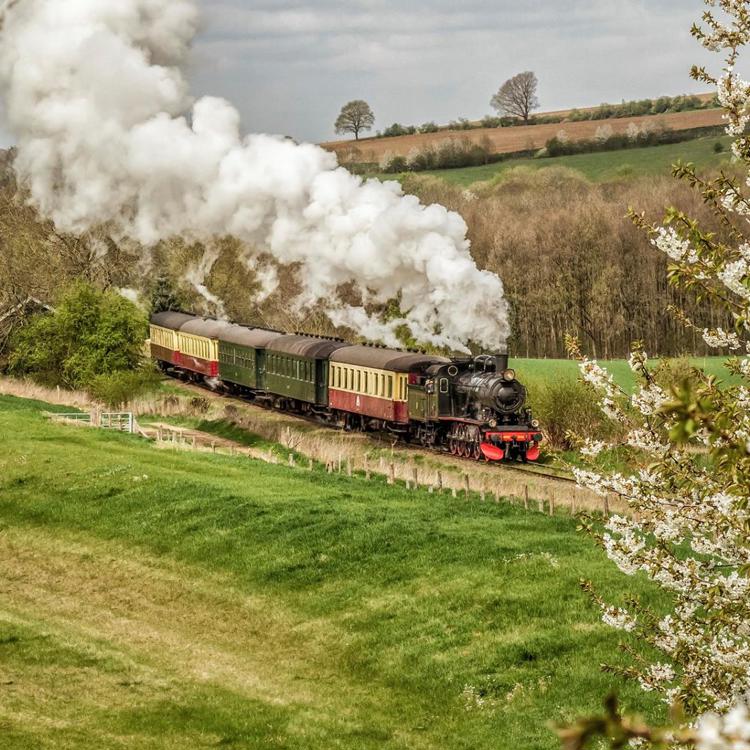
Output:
x=511 y=140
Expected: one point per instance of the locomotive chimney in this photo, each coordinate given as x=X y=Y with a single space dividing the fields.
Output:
x=501 y=360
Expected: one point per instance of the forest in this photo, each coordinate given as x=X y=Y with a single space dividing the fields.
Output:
x=570 y=259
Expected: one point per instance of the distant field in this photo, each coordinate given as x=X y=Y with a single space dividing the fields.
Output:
x=155 y=600
x=607 y=165
x=519 y=138
x=554 y=369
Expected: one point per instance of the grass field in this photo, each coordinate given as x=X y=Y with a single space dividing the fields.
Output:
x=605 y=166
x=546 y=370
x=159 y=600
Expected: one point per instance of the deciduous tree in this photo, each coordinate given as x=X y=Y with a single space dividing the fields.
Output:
x=517 y=96
x=355 y=117
x=688 y=529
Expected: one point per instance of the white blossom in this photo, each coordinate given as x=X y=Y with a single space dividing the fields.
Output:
x=669 y=242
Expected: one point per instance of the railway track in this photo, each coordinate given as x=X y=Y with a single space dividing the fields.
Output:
x=528 y=469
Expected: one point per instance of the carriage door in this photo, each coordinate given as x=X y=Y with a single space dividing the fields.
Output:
x=431 y=388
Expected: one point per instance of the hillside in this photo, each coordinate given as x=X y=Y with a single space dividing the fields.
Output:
x=160 y=600
x=519 y=138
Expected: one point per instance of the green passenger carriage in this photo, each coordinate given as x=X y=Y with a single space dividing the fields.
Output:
x=242 y=356
x=297 y=368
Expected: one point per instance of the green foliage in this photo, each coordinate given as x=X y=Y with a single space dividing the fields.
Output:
x=564 y=406
x=397 y=129
x=461 y=124
x=91 y=333
x=117 y=388
x=429 y=127
x=166 y=295
x=638 y=108
x=675 y=373
x=643 y=138
x=449 y=154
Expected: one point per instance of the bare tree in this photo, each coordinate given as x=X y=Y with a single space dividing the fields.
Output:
x=517 y=96
x=355 y=117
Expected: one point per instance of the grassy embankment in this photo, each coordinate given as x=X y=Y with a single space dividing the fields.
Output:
x=603 y=166
x=160 y=600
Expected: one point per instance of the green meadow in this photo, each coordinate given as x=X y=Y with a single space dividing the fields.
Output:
x=604 y=166
x=153 y=599
x=539 y=371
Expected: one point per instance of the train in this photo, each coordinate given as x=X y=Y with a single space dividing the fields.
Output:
x=471 y=406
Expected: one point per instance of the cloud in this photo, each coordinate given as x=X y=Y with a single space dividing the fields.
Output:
x=291 y=65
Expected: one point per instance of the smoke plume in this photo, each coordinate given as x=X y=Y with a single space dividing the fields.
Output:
x=108 y=134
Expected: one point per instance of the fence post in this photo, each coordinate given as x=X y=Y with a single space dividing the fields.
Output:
x=213 y=446
x=440 y=481
x=453 y=492
x=291 y=460
x=552 y=504
x=497 y=495
x=482 y=497
x=526 y=497
x=392 y=474
x=466 y=485
x=415 y=476
x=606 y=506
x=310 y=467
x=348 y=466
x=541 y=504
x=367 y=470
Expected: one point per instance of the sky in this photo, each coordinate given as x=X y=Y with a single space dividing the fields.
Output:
x=289 y=65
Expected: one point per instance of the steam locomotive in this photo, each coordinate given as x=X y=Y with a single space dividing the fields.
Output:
x=472 y=407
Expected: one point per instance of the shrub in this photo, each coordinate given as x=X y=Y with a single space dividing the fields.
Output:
x=397 y=129
x=564 y=405
x=492 y=122
x=118 y=388
x=461 y=124
x=91 y=333
x=393 y=163
x=675 y=372
x=718 y=147
x=429 y=127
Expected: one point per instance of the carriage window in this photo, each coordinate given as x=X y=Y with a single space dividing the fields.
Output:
x=444 y=385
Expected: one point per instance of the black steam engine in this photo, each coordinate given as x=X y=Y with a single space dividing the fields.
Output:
x=476 y=408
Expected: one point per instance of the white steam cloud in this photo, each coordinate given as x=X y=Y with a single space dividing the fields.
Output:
x=108 y=134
